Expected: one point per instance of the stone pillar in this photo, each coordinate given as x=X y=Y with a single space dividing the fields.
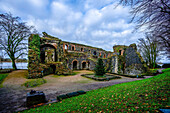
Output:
x=78 y=64
x=86 y=65
x=116 y=64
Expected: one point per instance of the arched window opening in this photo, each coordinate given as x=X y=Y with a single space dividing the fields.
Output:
x=81 y=49
x=72 y=48
x=104 y=56
x=84 y=65
x=94 y=53
x=120 y=52
x=66 y=47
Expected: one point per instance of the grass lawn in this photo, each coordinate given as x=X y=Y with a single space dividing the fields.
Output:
x=34 y=82
x=100 y=78
x=74 y=73
x=2 y=77
x=137 y=96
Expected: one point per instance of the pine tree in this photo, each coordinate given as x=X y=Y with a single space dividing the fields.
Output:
x=99 y=69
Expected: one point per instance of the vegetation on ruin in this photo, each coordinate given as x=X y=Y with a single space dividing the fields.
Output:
x=76 y=54
x=121 y=65
x=133 y=45
x=92 y=59
x=99 y=69
x=49 y=37
x=34 y=66
x=34 y=82
x=137 y=96
x=118 y=47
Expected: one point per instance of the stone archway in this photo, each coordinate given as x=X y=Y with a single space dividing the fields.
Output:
x=48 y=53
x=84 y=65
x=75 y=63
x=53 y=68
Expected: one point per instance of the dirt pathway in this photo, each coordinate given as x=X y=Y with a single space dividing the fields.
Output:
x=13 y=95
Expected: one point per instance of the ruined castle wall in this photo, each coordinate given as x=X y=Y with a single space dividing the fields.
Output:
x=68 y=55
x=131 y=57
x=134 y=64
x=96 y=52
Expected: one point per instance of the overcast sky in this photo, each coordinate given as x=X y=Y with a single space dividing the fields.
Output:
x=92 y=22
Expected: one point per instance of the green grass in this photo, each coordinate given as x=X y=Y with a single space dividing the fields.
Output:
x=74 y=73
x=2 y=77
x=166 y=70
x=137 y=96
x=34 y=82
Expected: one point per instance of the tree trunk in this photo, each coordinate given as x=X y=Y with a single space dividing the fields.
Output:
x=13 y=64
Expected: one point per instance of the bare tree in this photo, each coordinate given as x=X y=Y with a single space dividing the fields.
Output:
x=154 y=15
x=13 y=36
x=149 y=49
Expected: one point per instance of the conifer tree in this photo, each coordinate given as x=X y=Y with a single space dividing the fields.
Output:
x=99 y=69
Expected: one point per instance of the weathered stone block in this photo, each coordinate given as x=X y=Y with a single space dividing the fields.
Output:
x=35 y=97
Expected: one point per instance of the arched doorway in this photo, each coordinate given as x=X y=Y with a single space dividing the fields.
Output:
x=53 y=68
x=84 y=65
x=74 y=65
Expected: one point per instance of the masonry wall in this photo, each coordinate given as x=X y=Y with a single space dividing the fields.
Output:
x=131 y=57
x=61 y=57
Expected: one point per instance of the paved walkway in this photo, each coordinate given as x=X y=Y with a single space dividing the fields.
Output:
x=13 y=95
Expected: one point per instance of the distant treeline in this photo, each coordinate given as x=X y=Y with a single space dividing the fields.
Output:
x=9 y=60
x=165 y=65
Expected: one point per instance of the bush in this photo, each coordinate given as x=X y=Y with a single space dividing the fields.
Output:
x=99 y=69
x=35 y=82
x=151 y=72
x=61 y=97
x=68 y=95
x=72 y=94
x=2 y=77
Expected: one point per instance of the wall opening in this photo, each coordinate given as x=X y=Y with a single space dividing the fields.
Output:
x=94 y=53
x=53 y=68
x=48 y=53
x=75 y=65
x=42 y=56
x=88 y=64
x=81 y=49
x=72 y=48
x=84 y=65
x=66 y=47
x=120 y=52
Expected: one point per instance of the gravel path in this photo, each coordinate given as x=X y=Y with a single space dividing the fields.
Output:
x=13 y=95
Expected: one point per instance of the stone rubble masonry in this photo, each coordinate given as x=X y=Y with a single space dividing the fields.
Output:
x=61 y=57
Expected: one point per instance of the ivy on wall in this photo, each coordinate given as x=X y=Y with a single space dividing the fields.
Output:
x=121 y=65
x=34 y=68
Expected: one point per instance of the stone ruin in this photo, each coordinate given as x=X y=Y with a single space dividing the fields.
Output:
x=50 y=54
